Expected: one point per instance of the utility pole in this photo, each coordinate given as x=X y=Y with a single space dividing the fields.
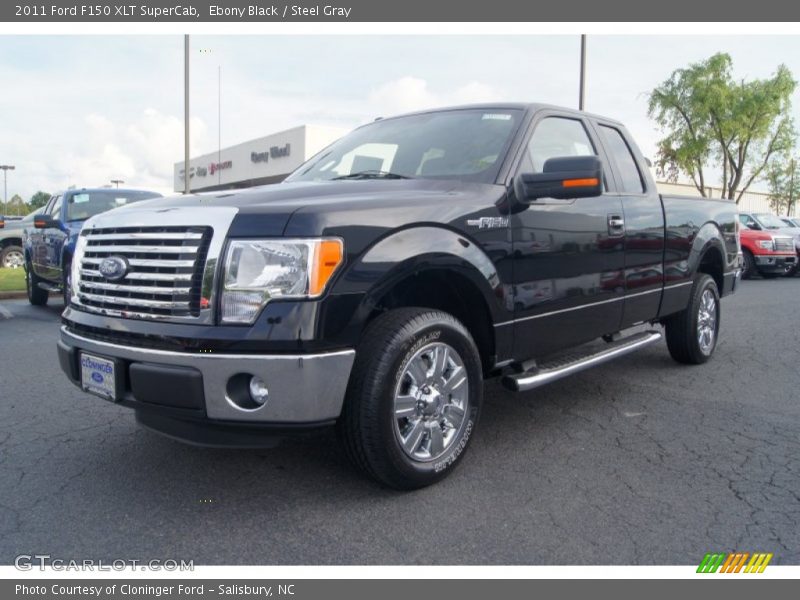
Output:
x=186 y=113
x=5 y=169
x=582 y=92
x=219 y=122
x=117 y=181
x=790 y=206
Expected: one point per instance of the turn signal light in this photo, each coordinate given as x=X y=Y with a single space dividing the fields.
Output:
x=328 y=256
x=580 y=182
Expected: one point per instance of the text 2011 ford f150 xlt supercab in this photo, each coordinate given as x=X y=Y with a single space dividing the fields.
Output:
x=383 y=281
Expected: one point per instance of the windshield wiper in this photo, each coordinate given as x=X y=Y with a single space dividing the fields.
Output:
x=372 y=174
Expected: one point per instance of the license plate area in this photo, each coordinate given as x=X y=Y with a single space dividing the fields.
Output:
x=101 y=376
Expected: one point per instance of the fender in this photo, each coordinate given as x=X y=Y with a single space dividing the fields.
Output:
x=707 y=237
x=686 y=263
x=412 y=251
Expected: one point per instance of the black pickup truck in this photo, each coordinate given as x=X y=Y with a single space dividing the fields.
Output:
x=388 y=277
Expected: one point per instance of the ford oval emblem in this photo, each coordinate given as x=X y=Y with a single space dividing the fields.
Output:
x=97 y=378
x=114 y=268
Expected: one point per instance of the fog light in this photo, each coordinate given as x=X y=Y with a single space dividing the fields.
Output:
x=258 y=390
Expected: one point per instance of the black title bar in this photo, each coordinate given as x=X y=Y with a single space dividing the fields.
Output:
x=204 y=11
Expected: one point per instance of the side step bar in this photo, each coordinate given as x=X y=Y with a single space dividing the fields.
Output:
x=547 y=372
x=48 y=287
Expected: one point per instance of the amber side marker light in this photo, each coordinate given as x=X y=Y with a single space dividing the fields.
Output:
x=327 y=258
x=580 y=182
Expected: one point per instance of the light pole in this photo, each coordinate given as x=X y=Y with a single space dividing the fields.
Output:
x=117 y=181
x=582 y=92
x=186 y=113
x=5 y=169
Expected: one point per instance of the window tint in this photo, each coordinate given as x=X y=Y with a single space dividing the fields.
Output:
x=557 y=137
x=628 y=171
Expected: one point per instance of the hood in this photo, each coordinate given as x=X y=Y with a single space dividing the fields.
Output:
x=267 y=210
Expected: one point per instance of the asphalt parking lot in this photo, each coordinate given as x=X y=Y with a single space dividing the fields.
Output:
x=639 y=462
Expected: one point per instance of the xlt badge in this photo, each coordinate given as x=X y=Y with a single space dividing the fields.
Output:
x=488 y=222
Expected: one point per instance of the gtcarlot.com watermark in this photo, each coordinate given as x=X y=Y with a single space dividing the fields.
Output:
x=42 y=562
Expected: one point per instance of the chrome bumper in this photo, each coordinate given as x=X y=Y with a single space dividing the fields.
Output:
x=303 y=388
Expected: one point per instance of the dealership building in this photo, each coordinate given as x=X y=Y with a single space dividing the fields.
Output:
x=268 y=159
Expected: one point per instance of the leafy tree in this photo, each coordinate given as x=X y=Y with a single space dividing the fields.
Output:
x=16 y=205
x=713 y=122
x=783 y=178
x=38 y=200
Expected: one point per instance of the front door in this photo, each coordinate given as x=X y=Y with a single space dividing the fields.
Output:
x=569 y=255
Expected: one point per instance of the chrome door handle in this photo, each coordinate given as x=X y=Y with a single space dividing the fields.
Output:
x=616 y=225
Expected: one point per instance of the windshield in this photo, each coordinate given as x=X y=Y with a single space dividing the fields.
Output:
x=82 y=205
x=458 y=144
x=770 y=221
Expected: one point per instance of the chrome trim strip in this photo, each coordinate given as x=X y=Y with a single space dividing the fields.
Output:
x=188 y=235
x=138 y=275
x=135 y=289
x=590 y=305
x=144 y=249
x=133 y=301
x=145 y=262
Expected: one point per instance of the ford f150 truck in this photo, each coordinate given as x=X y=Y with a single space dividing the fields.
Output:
x=382 y=282
x=49 y=240
x=770 y=247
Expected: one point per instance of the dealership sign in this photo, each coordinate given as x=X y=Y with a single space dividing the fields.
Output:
x=273 y=153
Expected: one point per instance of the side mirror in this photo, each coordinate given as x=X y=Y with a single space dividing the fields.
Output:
x=45 y=222
x=751 y=224
x=564 y=178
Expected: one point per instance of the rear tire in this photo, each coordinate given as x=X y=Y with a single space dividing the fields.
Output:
x=749 y=268
x=413 y=399
x=36 y=295
x=692 y=333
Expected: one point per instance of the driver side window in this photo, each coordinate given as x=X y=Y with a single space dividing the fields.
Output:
x=557 y=137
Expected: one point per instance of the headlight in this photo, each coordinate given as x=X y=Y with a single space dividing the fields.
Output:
x=766 y=244
x=256 y=271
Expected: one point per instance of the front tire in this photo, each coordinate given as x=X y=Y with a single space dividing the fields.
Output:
x=414 y=398
x=36 y=295
x=749 y=268
x=692 y=333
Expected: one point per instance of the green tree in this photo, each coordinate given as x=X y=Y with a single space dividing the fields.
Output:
x=38 y=200
x=783 y=178
x=715 y=123
x=16 y=205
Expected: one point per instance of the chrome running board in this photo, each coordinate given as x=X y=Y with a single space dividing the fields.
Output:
x=543 y=374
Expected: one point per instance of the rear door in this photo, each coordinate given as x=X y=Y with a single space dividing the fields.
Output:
x=569 y=256
x=643 y=222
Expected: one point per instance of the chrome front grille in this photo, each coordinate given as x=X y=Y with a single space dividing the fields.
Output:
x=165 y=267
x=784 y=244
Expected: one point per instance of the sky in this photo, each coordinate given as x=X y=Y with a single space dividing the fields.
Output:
x=85 y=109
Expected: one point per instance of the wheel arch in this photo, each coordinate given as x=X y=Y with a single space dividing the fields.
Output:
x=429 y=267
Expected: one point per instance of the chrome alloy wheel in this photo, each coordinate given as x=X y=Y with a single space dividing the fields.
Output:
x=13 y=259
x=707 y=322
x=431 y=401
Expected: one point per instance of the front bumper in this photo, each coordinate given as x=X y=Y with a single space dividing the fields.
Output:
x=304 y=389
x=774 y=263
